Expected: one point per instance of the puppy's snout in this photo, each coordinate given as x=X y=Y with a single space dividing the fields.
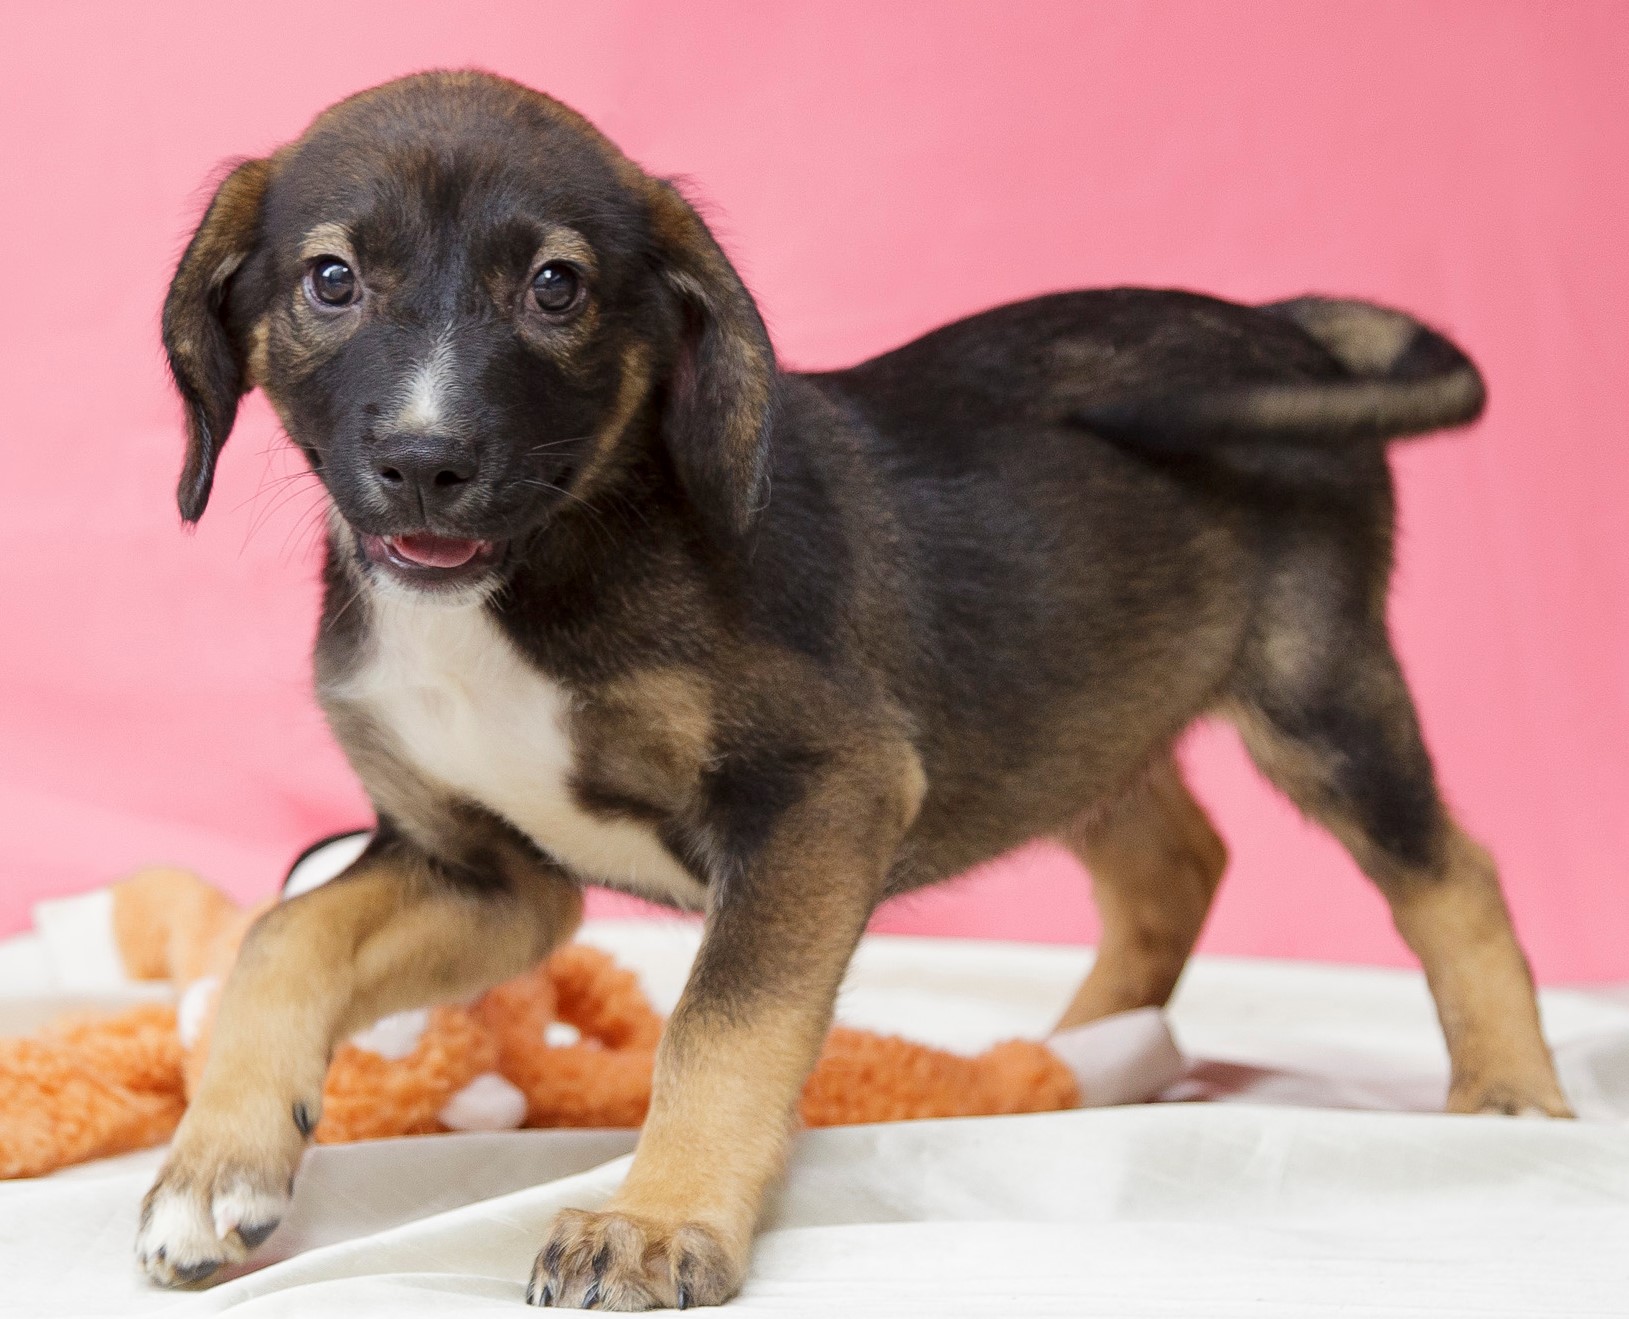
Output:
x=420 y=473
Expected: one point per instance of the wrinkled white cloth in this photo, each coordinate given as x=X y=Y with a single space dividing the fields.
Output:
x=1325 y=1187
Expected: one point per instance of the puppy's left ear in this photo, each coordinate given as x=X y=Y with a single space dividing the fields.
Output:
x=720 y=398
x=207 y=360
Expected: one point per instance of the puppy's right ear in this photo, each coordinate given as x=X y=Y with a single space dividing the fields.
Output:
x=207 y=360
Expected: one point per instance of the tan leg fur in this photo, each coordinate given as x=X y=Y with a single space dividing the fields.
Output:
x=1155 y=862
x=1452 y=914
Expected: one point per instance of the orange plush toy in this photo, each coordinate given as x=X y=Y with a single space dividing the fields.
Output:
x=569 y=1044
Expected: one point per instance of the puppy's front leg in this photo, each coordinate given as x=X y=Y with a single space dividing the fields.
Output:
x=732 y=1063
x=396 y=931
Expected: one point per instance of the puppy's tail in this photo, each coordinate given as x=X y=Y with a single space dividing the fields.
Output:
x=1403 y=379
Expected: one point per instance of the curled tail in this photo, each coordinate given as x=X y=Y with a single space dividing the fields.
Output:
x=1403 y=378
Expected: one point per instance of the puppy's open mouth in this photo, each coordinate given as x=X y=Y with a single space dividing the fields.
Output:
x=426 y=559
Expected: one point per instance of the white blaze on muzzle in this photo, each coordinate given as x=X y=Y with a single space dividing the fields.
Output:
x=427 y=395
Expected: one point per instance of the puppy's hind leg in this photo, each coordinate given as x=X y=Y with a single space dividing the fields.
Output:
x=1336 y=731
x=1155 y=862
x=395 y=931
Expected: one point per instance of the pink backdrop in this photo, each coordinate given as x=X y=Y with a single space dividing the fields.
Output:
x=875 y=169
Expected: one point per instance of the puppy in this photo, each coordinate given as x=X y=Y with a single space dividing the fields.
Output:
x=610 y=599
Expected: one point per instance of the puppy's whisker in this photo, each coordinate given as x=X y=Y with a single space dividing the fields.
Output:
x=309 y=528
x=597 y=516
x=286 y=491
x=274 y=484
x=284 y=485
x=332 y=621
x=281 y=490
x=544 y=447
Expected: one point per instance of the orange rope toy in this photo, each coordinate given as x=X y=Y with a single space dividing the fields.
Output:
x=568 y=1044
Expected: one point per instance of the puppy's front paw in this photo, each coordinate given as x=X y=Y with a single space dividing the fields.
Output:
x=206 y=1212
x=615 y=1261
x=1525 y=1098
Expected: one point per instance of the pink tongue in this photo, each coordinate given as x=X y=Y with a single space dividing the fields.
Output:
x=436 y=551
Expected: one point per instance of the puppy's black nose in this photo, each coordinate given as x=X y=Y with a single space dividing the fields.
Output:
x=422 y=471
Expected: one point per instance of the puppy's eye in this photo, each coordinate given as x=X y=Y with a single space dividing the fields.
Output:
x=331 y=282
x=556 y=288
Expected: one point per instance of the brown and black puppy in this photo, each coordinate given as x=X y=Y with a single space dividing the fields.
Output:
x=613 y=600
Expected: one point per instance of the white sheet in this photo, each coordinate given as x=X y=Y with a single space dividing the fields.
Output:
x=1176 y=1209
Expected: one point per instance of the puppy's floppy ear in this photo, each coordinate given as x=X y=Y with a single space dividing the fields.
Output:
x=720 y=397
x=206 y=358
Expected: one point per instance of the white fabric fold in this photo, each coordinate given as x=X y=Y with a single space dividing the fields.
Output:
x=78 y=936
x=1128 y=1058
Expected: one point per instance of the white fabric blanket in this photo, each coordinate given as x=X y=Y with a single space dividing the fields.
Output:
x=1324 y=1187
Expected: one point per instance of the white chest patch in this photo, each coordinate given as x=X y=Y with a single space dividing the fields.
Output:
x=470 y=713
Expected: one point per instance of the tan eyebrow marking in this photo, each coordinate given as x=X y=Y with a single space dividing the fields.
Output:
x=326 y=239
x=564 y=244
